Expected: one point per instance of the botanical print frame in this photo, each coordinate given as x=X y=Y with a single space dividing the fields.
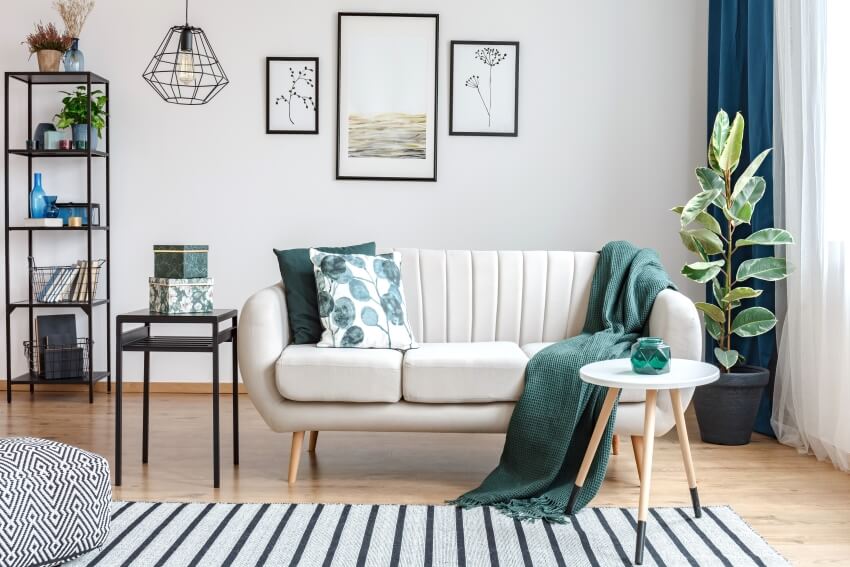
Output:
x=292 y=95
x=484 y=88
x=387 y=80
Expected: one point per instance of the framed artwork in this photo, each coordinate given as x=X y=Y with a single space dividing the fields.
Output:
x=387 y=96
x=484 y=88
x=292 y=95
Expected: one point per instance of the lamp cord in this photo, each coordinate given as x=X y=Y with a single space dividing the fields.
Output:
x=187 y=13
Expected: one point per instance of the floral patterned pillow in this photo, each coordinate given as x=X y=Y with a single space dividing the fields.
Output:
x=361 y=301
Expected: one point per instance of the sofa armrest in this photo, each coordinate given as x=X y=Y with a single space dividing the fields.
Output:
x=262 y=335
x=675 y=319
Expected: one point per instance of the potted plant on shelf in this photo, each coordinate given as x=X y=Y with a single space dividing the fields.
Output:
x=726 y=410
x=75 y=114
x=48 y=45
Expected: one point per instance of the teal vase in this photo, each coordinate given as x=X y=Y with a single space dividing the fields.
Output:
x=650 y=356
x=74 y=61
x=38 y=203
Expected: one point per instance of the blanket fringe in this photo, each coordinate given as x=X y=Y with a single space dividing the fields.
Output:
x=524 y=510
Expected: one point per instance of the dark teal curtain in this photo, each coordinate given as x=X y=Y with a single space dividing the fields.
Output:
x=740 y=79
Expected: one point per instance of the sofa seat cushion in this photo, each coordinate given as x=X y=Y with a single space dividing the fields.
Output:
x=627 y=396
x=306 y=373
x=447 y=373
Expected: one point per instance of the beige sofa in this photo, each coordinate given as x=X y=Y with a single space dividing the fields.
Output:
x=479 y=317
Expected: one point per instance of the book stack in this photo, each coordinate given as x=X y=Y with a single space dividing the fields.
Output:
x=66 y=284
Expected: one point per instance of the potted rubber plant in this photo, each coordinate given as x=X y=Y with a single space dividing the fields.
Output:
x=48 y=45
x=75 y=114
x=726 y=410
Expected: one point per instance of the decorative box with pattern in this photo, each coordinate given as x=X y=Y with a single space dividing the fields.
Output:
x=180 y=261
x=185 y=295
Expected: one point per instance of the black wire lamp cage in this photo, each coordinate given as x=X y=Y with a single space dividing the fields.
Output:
x=185 y=69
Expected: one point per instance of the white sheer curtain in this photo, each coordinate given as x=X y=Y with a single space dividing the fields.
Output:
x=812 y=396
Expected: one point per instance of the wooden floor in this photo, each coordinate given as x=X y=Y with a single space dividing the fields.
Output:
x=800 y=506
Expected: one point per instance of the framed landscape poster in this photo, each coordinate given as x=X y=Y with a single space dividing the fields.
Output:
x=292 y=95
x=387 y=96
x=484 y=88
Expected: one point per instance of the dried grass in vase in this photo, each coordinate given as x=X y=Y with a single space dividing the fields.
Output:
x=74 y=14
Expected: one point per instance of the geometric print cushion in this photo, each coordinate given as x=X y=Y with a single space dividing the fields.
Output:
x=54 y=501
x=361 y=301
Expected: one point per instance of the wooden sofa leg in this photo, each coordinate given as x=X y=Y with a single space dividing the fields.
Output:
x=615 y=445
x=637 y=447
x=295 y=455
x=314 y=437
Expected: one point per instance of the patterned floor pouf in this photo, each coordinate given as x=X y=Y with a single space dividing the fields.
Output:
x=54 y=502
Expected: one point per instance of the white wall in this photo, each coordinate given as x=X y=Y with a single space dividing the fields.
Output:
x=612 y=120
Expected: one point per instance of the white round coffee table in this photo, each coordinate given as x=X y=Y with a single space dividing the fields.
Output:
x=617 y=374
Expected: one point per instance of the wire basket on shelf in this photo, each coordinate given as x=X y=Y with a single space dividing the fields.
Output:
x=64 y=284
x=59 y=362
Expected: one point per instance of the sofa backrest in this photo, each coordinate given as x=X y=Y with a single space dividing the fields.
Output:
x=474 y=296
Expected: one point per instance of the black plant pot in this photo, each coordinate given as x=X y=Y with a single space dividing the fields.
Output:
x=726 y=410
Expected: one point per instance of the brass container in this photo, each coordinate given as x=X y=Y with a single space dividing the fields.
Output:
x=48 y=60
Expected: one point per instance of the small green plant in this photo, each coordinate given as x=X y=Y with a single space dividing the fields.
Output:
x=75 y=109
x=715 y=245
x=45 y=37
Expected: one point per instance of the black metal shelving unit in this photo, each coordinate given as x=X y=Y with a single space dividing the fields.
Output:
x=91 y=156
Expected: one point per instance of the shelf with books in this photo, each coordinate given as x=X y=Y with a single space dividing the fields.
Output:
x=72 y=286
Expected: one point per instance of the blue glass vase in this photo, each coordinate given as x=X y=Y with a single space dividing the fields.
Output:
x=650 y=356
x=74 y=61
x=38 y=203
x=51 y=211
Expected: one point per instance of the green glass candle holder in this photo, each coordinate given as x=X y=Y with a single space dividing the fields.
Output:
x=650 y=356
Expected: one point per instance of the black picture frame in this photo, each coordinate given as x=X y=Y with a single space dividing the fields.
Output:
x=454 y=132
x=269 y=62
x=436 y=18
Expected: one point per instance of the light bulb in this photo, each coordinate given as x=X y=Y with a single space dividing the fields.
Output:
x=185 y=68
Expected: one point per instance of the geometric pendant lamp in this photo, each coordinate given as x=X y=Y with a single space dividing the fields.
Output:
x=185 y=69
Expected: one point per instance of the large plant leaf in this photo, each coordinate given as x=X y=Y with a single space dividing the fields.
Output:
x=711 y=180
x=753 y=322
x=750 y=171
x=718 y=290
x=769 y=269
x=719 y=134
x=731 y=154
x=701 y=241
x=712 y=311
x=768 y=237
x=702 y=272
x=714 y=329
x=705 y=219
x=696 y=205
x=744 y=201
x=726 y=358
x=740 y=293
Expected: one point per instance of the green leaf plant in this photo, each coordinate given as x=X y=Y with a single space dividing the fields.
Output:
x=75 y=109
x=715 y=243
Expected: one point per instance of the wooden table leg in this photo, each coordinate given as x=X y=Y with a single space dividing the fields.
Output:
x=684 y=444
x=593 y=445
x=646 y=474
x=637 y=449
x=615 y=445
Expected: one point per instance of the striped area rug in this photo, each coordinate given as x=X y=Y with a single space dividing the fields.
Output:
x=172 y=534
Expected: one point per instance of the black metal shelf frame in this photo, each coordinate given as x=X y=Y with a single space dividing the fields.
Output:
x=31 y=79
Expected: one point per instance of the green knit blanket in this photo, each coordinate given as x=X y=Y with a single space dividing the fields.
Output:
x=552 y=422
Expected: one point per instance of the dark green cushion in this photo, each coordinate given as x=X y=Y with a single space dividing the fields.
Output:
x=299 y=285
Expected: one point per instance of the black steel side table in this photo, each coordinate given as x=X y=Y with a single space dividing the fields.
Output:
x=141 y=340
